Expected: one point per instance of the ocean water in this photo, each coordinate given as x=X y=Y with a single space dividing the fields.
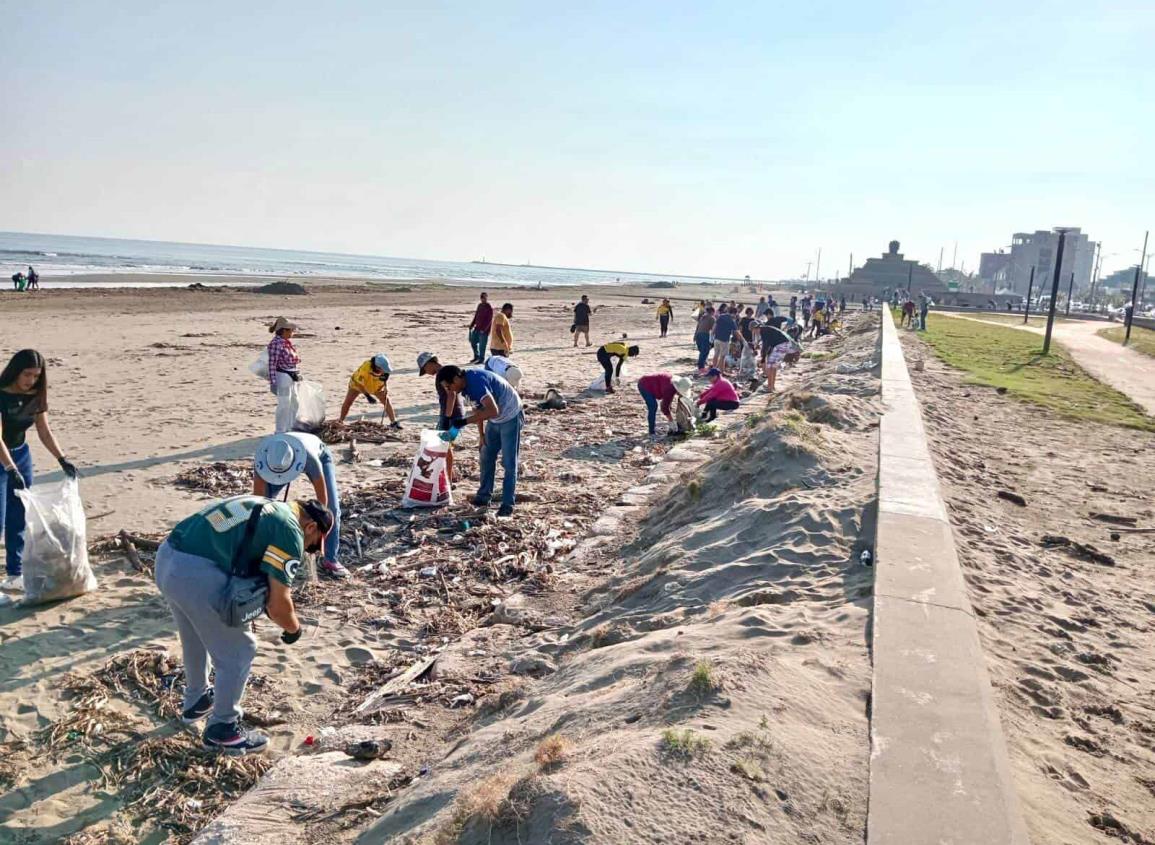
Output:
x=58 y=257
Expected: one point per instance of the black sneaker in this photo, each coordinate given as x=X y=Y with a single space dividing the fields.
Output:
x=202 y=707
x=505 y=510
x=479 y=502
x=230 y=738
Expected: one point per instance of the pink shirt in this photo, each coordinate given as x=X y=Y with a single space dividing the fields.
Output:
x=722 y=390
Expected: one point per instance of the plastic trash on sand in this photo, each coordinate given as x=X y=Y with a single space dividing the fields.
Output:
x=300 y=406
x=428 y=482
x=260 y=367
x=55 y=544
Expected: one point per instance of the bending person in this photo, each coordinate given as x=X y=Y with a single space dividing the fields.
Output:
x=615 y=349
x=719 y=396
x=23 y=404
x=659 y=389
x=281 y=458
x=193 y=567
x=370 y=381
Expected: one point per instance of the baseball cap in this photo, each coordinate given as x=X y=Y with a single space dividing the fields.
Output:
x=713 y=371
x=423 y=359
x=381 y=362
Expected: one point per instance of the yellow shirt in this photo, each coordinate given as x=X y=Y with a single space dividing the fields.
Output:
x=665 y=310
x=366 y=381
x=500 y=335
x=616 y=347
x=819 y=317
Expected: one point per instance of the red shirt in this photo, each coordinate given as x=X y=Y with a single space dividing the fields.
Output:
x=482 y=317
x=661 y=387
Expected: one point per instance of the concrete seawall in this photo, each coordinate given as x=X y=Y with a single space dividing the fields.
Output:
x=939 y=772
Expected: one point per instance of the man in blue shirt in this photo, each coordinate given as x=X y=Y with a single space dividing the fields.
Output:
x=724 y=328
x=498 y=404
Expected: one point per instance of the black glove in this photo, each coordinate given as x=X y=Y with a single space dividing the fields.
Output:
x=372 y=399
x=289 y=639
x=294 y=375
x=16 y=480
x=69 y=468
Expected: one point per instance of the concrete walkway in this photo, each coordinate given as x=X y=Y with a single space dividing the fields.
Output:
x=1126 y=370
x=938 y=762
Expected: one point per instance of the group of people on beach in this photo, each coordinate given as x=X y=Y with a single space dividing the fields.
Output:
x=238 y=558
x=29 y=282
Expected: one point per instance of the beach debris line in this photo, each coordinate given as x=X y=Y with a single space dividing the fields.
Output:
x=1084 y=551
x=222 y=478
x=364 y=431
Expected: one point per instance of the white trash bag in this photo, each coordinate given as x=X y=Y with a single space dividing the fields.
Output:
x=55 y=543
x=260 y=367
x=300 y=406
x=428 y=483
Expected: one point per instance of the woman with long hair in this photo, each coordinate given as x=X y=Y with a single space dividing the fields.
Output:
x=23 y=404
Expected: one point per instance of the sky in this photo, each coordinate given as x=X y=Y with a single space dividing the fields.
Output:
x=713 y=139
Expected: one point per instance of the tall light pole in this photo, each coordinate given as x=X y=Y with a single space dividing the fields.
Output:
x=1070 y=290
x=818 y=266
x=1054 y=291
x=1135 y=288
x=1095 y=277
x=1030 y=287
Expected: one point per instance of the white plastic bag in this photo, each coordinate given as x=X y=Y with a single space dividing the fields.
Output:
x=260 y=367
x=300 y=406
x=55 y=543
x=428 y=483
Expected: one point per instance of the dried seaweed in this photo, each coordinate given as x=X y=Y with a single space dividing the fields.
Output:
x=364 y=431
x=231 y=478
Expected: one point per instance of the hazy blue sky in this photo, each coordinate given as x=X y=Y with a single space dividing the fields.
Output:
x=698 y=138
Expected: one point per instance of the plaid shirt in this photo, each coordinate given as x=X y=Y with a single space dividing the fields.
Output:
x=283 y=358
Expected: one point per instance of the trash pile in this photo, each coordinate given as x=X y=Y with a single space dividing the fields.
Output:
x=223 y=479
x=363 y=431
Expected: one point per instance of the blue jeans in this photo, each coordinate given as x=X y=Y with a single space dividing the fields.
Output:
x=12 y=510
x=922 y=320
x=333 y=538
x=505 y=438
x=651 y=407
x=702 y=340
x=477 y=342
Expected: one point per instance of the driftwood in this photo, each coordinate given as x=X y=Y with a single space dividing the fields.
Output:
x=1113 y=519
x=377 y=699
x=130 y=551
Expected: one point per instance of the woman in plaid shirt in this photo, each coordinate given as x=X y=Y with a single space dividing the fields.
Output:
x=284 y=362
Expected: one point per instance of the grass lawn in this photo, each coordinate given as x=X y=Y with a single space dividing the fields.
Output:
x=1142 y=340
x=998 y=356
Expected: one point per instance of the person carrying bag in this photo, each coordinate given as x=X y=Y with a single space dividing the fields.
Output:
x=218 y=570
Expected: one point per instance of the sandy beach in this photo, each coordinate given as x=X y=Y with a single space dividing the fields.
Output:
x=149 y=384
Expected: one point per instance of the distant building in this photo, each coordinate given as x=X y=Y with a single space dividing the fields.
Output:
x=1038 y=249
x=1121 y=281
x=890 y=272
x=993 y=269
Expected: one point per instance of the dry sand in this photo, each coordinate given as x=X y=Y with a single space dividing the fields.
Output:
x=1070 y=642
x=145 y=385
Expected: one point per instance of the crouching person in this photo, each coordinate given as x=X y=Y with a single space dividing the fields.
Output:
x=218 y=570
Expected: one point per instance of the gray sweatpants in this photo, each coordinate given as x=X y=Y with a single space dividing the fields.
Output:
x=192 y=586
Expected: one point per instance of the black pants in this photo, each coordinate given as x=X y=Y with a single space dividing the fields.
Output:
x=664 y=322
x=713 y=406
x=608 y=366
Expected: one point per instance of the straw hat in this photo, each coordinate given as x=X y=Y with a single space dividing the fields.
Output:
x=682 y=385
x=282 y=323
x=280 y=459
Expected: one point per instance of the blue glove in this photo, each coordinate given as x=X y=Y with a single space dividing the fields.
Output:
x=451 y=435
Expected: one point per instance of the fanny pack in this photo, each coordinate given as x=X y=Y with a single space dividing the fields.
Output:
x=244 y=597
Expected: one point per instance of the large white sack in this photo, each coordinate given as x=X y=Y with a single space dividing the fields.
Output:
x=55 y=543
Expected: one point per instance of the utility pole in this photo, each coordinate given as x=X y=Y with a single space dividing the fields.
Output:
x=1070 y=289
x=909 y=275
x=954 y=258
x=1054 y=291
x=940 y=251
x=1135 y=287
x=850 y=268
x=809 y=264
x=1095 y=277
x=1030 y=287
x=818 y=266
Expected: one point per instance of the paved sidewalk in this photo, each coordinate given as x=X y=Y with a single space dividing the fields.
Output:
x=1126 y=370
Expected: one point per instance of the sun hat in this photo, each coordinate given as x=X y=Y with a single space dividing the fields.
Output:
x=282 y=323
x=682 y=385
x=382 y=363
x=513 y=375
x=280 y=459
x=423 y=359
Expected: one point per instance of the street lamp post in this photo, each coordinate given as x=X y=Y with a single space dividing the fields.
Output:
x=1135 y=288
x=1054 y=292
x=1070 y=289
x=1030 y=287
